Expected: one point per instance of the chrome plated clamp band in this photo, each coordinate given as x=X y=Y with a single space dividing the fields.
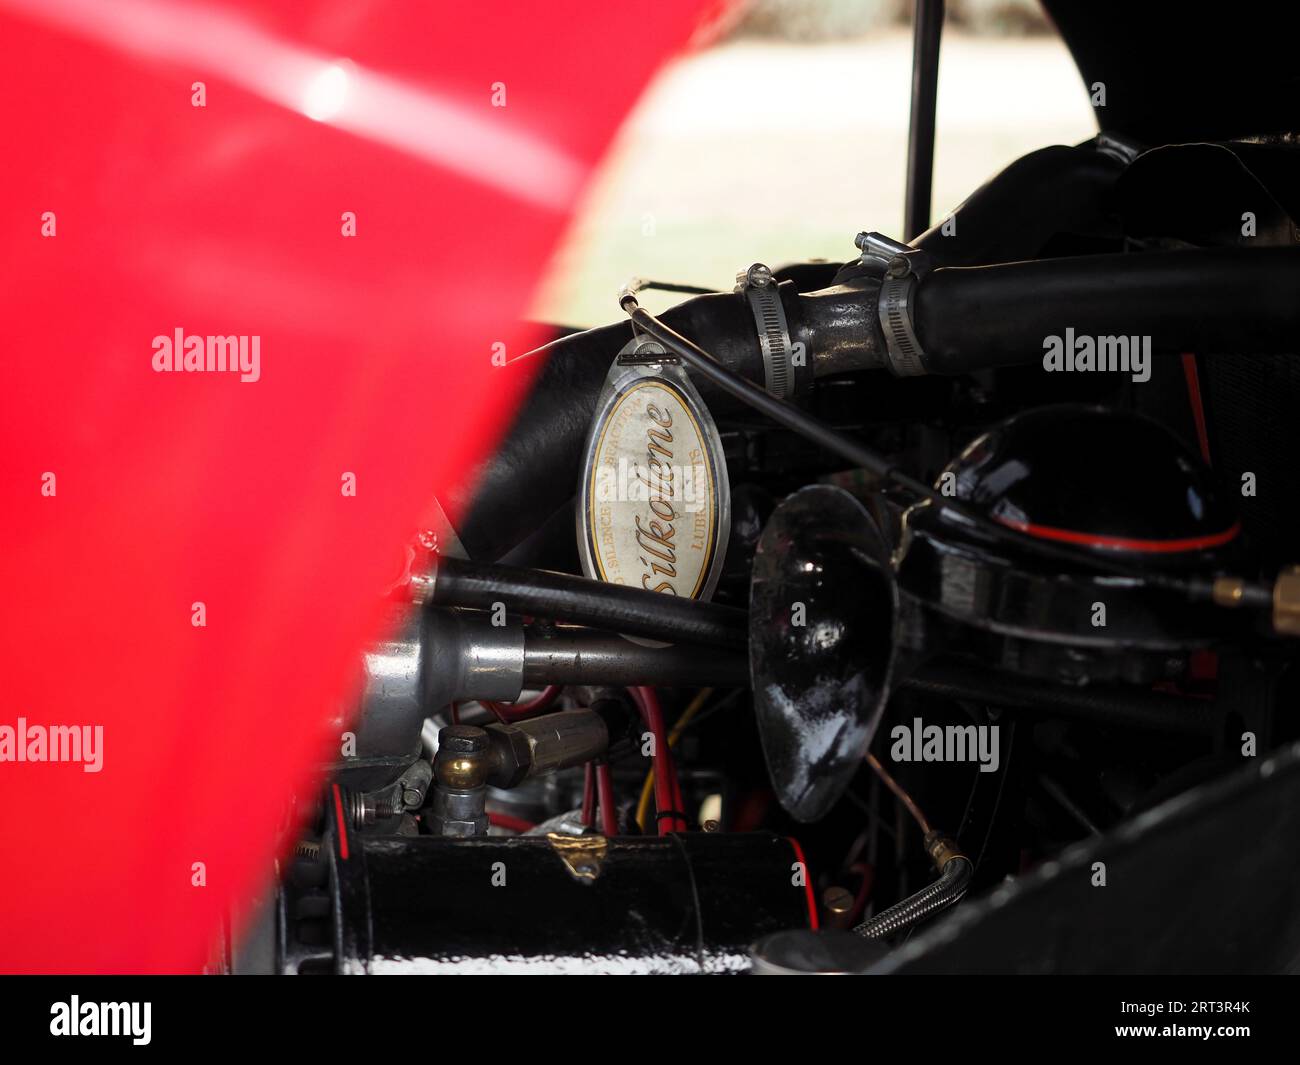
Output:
x=903 y=267
x=759 y=287
x=895 y=308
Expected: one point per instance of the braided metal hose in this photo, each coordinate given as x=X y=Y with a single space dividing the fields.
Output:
x=945 y=891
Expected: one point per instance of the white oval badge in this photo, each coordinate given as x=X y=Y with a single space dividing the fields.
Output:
x=654 y=503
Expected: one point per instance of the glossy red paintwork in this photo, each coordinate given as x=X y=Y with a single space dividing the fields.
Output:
x=178 y=488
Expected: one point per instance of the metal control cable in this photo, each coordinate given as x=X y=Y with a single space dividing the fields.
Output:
x=955 y=870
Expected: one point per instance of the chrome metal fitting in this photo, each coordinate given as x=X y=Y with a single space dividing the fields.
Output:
x=759 y=287
x=904 y=355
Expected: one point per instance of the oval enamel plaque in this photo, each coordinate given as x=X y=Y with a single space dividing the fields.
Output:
x=653 y=511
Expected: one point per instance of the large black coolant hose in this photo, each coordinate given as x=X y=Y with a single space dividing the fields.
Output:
x=1205 y=301
x=534 y=471
x=562 y=597
x=965 y=319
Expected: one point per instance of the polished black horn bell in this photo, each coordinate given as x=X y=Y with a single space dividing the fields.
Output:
x=822 y=607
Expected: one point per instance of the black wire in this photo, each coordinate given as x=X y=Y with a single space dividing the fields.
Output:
x=787 y=414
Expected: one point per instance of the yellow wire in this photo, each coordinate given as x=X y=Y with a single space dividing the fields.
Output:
x=647 y=792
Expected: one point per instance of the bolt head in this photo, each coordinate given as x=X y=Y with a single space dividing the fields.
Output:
x=462 y=739
x=759 y=276
x=837 y=900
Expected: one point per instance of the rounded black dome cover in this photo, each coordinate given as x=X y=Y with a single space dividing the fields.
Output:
x=1109 y=480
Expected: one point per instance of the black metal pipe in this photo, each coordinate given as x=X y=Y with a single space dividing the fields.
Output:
x=563 y=597
x=927 y=29
x=1103 y=705
x=583 y=656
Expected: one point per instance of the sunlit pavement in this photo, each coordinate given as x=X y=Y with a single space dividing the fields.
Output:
x=757 y=151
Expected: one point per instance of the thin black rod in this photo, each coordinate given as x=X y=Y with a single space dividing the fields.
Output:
x=927 y=28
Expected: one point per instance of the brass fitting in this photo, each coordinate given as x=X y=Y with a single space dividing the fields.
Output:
x=1286 y=602
x=1229 y=591
x=941 y=850
x=462 y=762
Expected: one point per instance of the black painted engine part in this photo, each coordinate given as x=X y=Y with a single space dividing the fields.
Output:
x=691 y=903
x=1109 y=483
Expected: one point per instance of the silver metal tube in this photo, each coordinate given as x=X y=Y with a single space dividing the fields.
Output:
x=585 y=656
x=545 y=744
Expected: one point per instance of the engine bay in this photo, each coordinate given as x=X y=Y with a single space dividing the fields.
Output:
x=790 y=620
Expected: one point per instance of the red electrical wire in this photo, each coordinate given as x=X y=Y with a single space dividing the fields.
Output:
x=588 y=795
x=813 y=921
x=515 y=824
x=1193 y=378
x=678 y=802
x=509 y=712
x=866 y=874
x=666 y=790
x=605 y=788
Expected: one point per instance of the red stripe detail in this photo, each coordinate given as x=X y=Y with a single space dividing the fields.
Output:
x=1121 y=543
x=343 y=828
x=813 y=922
x=1198 y=408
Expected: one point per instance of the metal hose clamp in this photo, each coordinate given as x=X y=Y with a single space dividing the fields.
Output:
x=895 y=307
x=903 y=266
x=760 y=289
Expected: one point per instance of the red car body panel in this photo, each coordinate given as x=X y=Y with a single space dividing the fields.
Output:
x=172 y=489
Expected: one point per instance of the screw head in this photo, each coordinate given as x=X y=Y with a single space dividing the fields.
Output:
x=898 y=267
x=759 y=276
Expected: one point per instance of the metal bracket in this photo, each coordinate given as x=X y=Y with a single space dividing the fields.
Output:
x=583 y=856
x=644 y=352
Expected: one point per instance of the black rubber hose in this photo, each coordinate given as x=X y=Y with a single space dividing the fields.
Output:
x=534 y=471
x=1014 y=216
x=967 y=318
x=1100 y=704
x=562 y=597
x=1202 y=300
x=945 y=891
